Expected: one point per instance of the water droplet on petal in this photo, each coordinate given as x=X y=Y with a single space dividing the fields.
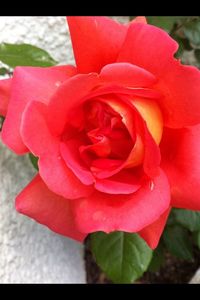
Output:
x=151 y=185
x=58 y=83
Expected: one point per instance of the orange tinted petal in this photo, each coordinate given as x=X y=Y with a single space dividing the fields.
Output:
x=150 y=112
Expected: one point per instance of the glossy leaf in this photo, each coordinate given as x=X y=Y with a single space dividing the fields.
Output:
x=124 y=257
x=198 y=239
x=183 y=45
x=178 y=242
x=157 y=259
x=188 y=218
x=1 y=122
x=171 y=219
x=34 y=161
x=15 y=55
x=3 y=71
x=165 y=23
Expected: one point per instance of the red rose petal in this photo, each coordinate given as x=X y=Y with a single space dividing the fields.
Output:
x=53 y=170
x=131 y=213
x=126 y=74
x=116 y=89
x=68 y=96
x=125 y=182
x=152 y=233
x=47 y=208
x=29 y=84
x=70 y=153
x=150 y=152
x=180 y=151
x=5 y=87
x=101 y=148
x=152 y=157
x=96 y=41
x=106 y=167
x=153 y=49
x=34 y=130
x=60 y=179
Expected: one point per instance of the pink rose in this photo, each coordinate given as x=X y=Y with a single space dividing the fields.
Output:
x=117 y=136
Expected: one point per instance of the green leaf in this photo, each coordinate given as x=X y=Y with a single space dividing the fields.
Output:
x=171 y=219
x=180 y=51
x=3 y=71
x=34 y=160
x=183 y=45
x=188 y=218
x=1 y=122
x=178 y=242
x=198 y=239
x=157 y=259
x=15 y=55
x=166 y=23
x=197 y=54
x=192 y=31
x=124 y=257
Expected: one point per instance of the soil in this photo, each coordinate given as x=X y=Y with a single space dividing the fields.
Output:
x=174 y=271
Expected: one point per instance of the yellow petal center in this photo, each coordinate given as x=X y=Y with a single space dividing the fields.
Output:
x=151 y=114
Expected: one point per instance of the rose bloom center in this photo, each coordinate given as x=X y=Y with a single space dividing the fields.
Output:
x=104 y=134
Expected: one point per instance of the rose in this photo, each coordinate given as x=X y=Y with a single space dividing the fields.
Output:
x=117 y=136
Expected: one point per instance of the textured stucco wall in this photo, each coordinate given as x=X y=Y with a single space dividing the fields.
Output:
x=49 y=33
x=29 y=252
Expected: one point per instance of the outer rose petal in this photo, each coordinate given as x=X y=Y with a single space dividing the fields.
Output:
x=96 y=41
x=29 y=84
x=52 y=168
x=127 y=74
x=39 y=203
x=60 y=179
x=67 y=97
x=124 y=182
x=5 y=86
x=152 y=49
x=139 y=20
x=181 y=161
x=34 y=130
x=70 y=153
x=117 y=89
x=114 y=187
x=131 y=213
x=152 y=233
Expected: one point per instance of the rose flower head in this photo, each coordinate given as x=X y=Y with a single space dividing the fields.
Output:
x=117 y=135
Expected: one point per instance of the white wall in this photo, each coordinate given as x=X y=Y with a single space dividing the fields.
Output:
x=49 y=33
